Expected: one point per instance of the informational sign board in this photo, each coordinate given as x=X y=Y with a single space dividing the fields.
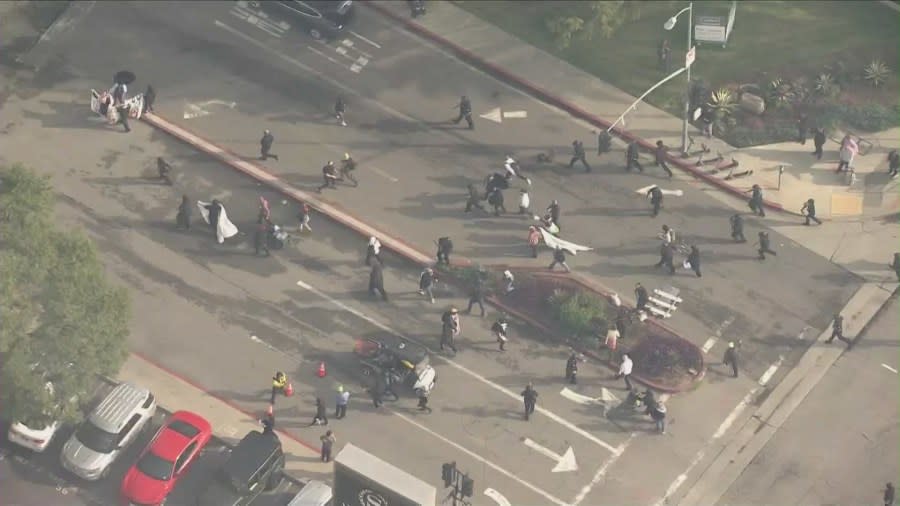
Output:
x=715 y=27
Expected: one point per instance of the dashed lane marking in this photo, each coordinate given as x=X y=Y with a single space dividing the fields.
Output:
x=889 y=368
x=367 y=41
x=709 y=344
x=598 y=476
x=384 y=174
x=770 y=372
x=323 y=55
x=509 y=393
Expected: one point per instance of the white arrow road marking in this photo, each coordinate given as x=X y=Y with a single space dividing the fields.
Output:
x=564 y=463
x=497 y=497
x=674 y=193
x=515 y=114
x=230 y=105
x=605 y=397
x=194 y=111
x=494 y=115
x=889 y=368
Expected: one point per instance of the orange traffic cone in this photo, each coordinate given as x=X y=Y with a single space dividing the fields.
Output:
x=288 y=390
x=269 y=410
x=321 y=372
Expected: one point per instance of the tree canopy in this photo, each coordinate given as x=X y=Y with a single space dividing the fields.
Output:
x=585 y=20
x=61 y=321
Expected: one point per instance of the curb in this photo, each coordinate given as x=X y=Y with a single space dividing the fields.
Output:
x=549 y=98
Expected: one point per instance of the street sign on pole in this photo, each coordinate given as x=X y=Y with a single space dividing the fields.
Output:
x=690 y=57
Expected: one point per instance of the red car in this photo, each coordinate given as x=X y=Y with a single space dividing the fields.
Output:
x=168 y=456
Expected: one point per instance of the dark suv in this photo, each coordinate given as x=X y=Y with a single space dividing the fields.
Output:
x=255 y=464
x=322 y=19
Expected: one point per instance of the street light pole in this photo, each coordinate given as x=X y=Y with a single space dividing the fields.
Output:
x=687 y=98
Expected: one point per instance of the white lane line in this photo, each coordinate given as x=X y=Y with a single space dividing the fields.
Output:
x=736 y=412
x=708 y=344
x=889 y=368
x=598 y=476
x=509 y=393
x=479 y=458
x=383 y=174
x=497 y=497
x=802 y=334
x=770 y=372
x=323 y=55
x=349 y=43
x=680 y=479
x=367 y=41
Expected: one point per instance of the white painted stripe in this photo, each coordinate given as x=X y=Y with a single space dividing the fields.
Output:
x=598 y=476
x=509 y=393
x=340 y=50
x=736 y=412
x=889 y=368
x=680 y=479
x=383 y=173
x=515 y=114
x=708 y=344
x=360 y=37
x=479 y=458
x=355 y=68
x=497 y=497
x=770 y=372
x=323 y=55
x=263 y=27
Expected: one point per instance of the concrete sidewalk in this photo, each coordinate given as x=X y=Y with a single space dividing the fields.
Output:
x=229 y=422
x=592 y=100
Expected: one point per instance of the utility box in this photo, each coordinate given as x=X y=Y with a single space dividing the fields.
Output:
x=714 y=26
x=362 y=479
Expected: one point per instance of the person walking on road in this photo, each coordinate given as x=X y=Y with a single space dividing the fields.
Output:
x=693 y=260
x=888 y=494
x=265 y=146
x=376 y=281
x=737 y=228
x=660 y=154
x=534 y=240
x=329 y=177
x=164 y=170
x=465 y=111
x=764 y=246
x=476 y=296
x=578 y=155
x=149 y=98
x=641 y=297
x=666 y=257
x=837 y=331
x=474 y=199
x=423 y=402
x=893 y=159
x=849 y=148
x=124 y=111
x=529 y=396
x=495 y=199
x=339 y=109
x=611 y=342
x=426 y=283
x=632 y=157
x=260 y=237
x=572 y=369
x=658 y=415
x=328 y=441
x=183 y=218
x=604 y=142
x=348 y=165
x=444 y=248
x=450 y=328
x=376 y=391
x=303 y=216
x=373 y=250
x=500 y=330
x=279 y=383
x=514 y=170
x=819 y=139
x=625 y=370
x=524 y=201
x=264 y=212
x=268 y=424
x=341 y=401
x=756 y=201
x=559 y=257
x=731 y=358
x=554 y=212
x=895 y=265
x=321 y=418
x=656 y=199
x=809 y=211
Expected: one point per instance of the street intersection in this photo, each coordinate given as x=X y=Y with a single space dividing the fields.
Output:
x=227 y=320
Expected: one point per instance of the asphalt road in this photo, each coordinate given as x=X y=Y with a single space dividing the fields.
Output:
x=840 y=445
x=44 y=482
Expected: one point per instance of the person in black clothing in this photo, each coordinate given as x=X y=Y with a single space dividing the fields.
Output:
x=837 y=331
x=579 y=155
x=149 y=98
x=888 y=494
x=163 y=169
x=376 y=391
x=376 y=280
x=465 y=111
x=809 y=207
x=737 y=228
x=261 y=236
x=321 y=417
x=553 y=211
x=268 y=424
x=694 y=259
x=495 y=199
x=604 y=142
x=641 y=296
x=764 y=246
x=666 y=257
x=474 y=199
x=499 y=329
x=477 y=294
x=731 y=358
x=559 y=257
x=893 y=159
x=632 y=157
x=265 y=144
x=423 y=402
x=183 y=218
x=449 y=328
x=895 y=265
x=445 y=247
x=339 y=109
x=329 y=176
x=656 y=199
x=802 y=128
x=215 y=210
x=622 y=322
x=661 y=150
x=819 y=141
x=416 y=8
x=348 y=165
x=572 y=369
x=756 y=201
x=529 y=395
x=124 y=111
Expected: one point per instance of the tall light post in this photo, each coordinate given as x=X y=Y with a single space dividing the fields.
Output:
x=687 y=99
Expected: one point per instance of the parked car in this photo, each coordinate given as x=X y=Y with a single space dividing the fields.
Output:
x=166 y=459
x=35 y=436
x=109 y=429
x=254 y=465
x=321 y=19
x=314 y=493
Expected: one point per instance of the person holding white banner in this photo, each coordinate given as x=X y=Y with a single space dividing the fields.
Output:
x=215 y=216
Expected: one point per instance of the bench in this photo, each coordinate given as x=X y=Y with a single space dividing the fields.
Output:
x=666 y=295
x=662 y=303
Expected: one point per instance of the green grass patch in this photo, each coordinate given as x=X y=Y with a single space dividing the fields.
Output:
x=770 y=39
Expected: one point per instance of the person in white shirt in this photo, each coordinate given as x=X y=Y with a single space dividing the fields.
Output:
x=625 y=370
x=373 y=250
x=513 y=169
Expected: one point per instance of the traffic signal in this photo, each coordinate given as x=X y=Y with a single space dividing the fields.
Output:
x=447 y=473
x=468 y=486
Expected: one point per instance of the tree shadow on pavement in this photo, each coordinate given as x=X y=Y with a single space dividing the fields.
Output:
x=486 y=413
x=394 y=126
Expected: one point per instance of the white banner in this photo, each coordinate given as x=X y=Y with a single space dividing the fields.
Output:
x=553 y=241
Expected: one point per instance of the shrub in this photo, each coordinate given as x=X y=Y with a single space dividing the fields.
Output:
x=869 y=117
x=779 y=94
x=579 y=313
x=826 y=86
x=742 y=137
x=876 y=73
x=722 y=103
